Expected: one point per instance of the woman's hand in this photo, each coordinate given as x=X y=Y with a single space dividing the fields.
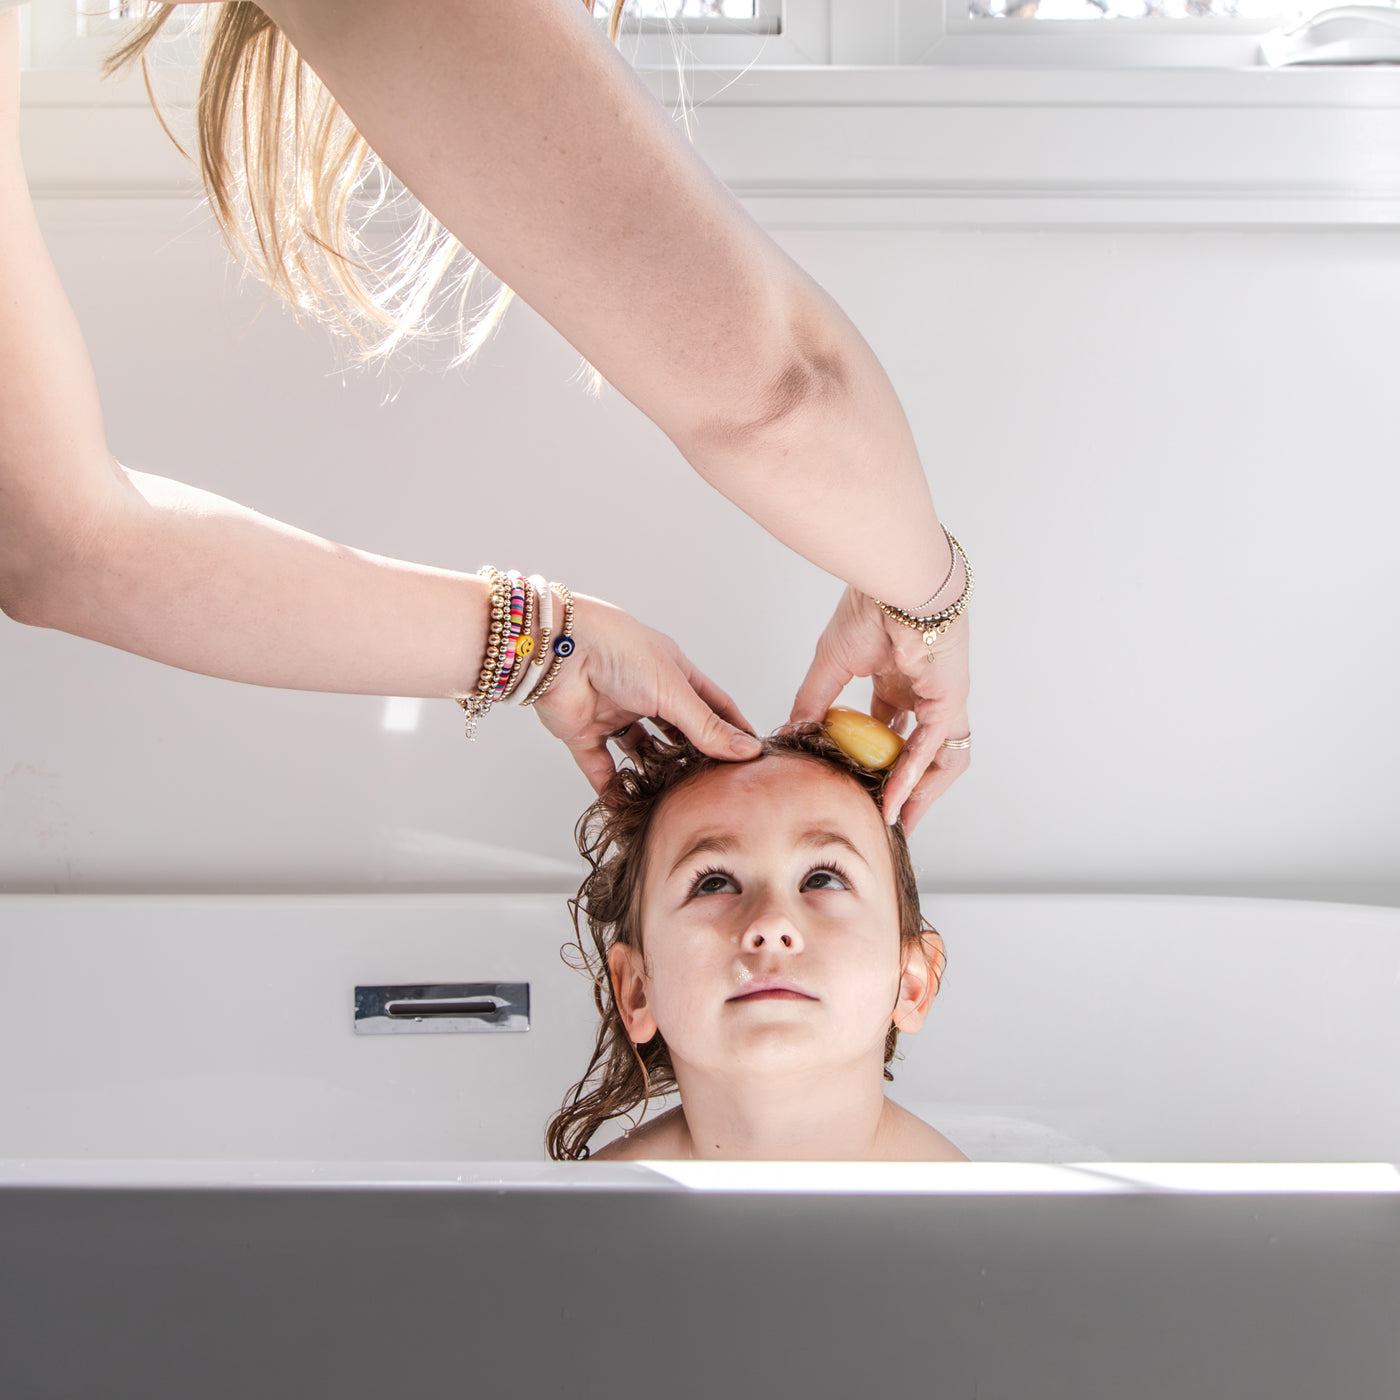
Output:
x=910 y=678
x=622 y=672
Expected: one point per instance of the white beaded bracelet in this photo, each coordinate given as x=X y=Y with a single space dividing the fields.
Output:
x=532 y=682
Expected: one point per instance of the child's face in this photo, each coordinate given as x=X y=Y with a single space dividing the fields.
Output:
x=770 y=926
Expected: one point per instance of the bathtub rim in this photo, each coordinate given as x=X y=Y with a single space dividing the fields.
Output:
x=749 y=1178
x=443 y=898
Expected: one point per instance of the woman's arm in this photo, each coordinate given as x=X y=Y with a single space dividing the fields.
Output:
x=163 y=569
x=185 y=577
x=533 y=140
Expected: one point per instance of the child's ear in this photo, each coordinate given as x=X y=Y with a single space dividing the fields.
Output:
x=630 y=993
x=919 y=982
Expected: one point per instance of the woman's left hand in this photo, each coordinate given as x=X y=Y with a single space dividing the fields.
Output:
x=911 y=680
x=622 y=672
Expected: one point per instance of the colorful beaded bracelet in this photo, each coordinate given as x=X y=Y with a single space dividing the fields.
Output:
x=512 y=636
x=525 y=647
x=512 y=655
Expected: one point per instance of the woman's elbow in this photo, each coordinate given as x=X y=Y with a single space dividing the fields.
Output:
x=799 y=393
x=47 y=567
x=22 y=594
x=53 y=543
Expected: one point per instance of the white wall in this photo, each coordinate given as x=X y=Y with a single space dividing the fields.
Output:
x=1170 y=454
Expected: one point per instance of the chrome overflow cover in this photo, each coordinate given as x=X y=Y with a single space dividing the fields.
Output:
x=432 y=1008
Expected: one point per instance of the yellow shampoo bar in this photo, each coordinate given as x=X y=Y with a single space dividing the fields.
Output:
x=861 y=737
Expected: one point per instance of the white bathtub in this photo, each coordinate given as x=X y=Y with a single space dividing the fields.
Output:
x=212 y=1187
x=1070 y=1028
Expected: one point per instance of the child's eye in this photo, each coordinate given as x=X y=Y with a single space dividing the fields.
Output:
x=714 y=882
x=826 y=877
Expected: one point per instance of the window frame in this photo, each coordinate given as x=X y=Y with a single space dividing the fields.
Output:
x=938 y=33
x=829 y=33
x=864 y=143
x=786 y=33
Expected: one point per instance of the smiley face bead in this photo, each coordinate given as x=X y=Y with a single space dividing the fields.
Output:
x=525 y=646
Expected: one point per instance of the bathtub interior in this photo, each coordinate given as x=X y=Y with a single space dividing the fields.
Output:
x=1069 y=1029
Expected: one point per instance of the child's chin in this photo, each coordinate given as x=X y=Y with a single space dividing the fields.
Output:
x=781 y=1048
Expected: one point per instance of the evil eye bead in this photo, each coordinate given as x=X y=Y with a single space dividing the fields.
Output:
x=525 y=646
x=563 y=646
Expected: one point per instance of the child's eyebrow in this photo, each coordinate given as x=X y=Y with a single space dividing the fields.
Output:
x=720 y=843
x=717 y=843
x=824 y=836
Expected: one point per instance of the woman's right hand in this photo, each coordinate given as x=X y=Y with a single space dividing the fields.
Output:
x=622 y=672
x=910 y=678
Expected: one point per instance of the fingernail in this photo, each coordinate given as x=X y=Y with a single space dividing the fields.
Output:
x=744 y=744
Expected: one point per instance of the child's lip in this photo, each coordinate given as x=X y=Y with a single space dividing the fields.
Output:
x=767 y=991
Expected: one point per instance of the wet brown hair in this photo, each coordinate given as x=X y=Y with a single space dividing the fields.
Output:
x=613 y=836
x=294 y=187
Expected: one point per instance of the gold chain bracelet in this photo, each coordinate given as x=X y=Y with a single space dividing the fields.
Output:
x=935 y=624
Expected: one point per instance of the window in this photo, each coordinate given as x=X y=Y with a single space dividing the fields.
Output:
x=104 y=18
x=1272 y=11
x=956 y=33
x=875 y=113
x=695 y=16
x=663 y=34
x=1143 y=33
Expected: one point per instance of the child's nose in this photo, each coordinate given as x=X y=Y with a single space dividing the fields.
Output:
x=772 y=933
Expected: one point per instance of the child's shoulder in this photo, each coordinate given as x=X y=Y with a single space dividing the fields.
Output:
x=913 y=1140
x=657 y=1139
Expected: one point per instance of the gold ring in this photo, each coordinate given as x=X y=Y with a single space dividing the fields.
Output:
x=964 y=743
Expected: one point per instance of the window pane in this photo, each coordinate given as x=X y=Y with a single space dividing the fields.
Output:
x=1138 y=9
x=691 y=9
x=1119 y=9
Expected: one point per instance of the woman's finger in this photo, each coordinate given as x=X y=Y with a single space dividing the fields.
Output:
x=668 y=731
x=920 y=753
x=680 y=705
x=909 y=768
x=824 y=681
x=627 y=739
x=890 y=715
x=940 y=776
x=927 y=767
x=718 y=700
x=595 y=761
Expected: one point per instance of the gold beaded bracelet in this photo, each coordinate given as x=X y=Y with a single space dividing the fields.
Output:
x=479 y=702
x=935 y=624
x=563 y=646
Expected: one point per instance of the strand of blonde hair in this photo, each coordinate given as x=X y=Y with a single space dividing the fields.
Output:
x=294 y=189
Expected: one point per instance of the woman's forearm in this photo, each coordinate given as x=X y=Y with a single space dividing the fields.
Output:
x=838 y=478
x=185 y=577
x=533 y=140
x=166 y=570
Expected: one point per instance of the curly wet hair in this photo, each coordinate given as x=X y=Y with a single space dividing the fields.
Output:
x=612 y=836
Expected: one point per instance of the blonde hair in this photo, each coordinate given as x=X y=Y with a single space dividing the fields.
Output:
x=613 y=835
x=283 y=167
